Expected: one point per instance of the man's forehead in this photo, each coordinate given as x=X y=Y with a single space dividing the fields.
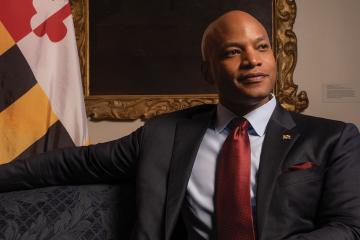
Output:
x=235 y=24
x=235 y=20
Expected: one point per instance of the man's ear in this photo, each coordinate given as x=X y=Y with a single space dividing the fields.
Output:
x=205 y=70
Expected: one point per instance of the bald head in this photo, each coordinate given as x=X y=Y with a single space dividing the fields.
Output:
x=225 y=24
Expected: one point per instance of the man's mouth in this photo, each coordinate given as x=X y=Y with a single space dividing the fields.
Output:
x=252 y=77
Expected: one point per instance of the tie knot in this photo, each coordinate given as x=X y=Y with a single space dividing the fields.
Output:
x=242 y=123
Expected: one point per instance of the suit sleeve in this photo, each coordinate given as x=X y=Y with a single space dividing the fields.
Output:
x=100 y=163
x=339 y=209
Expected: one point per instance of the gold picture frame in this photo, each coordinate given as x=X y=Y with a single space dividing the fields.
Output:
x=131 y=107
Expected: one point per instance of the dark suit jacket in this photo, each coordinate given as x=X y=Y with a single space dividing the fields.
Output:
x=322 y=202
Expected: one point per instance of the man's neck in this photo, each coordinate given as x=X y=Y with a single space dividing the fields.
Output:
x=241 y=109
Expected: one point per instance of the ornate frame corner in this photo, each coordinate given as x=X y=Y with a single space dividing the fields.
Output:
x=80 y=13
x=131 y=107
x=285 y=49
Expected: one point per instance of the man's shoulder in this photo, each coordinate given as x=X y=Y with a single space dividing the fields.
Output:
x=306 y=122
x=186 y=113
x=163 y=126
x=311 y=119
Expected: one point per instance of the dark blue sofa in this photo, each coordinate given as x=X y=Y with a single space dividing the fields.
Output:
x=68 y=212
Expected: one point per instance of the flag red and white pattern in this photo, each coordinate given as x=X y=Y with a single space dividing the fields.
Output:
x=41 y=99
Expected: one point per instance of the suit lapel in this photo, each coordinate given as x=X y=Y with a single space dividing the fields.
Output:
x=188 y=136
x=280 y=137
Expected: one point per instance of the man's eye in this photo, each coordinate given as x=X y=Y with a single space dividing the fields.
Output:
x=232 y=52
x=263 y=46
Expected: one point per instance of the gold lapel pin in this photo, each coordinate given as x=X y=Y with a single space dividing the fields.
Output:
x=286 y=136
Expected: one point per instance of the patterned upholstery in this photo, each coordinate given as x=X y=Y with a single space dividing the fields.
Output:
x=68 y=212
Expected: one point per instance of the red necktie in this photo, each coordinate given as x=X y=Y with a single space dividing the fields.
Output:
x=233 y=211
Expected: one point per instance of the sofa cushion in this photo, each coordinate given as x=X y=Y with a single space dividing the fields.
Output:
x=68 y=212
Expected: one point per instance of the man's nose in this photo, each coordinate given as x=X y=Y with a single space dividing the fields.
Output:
x=250 y=59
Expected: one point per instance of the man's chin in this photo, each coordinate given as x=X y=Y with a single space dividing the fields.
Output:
x=259 y=102
x=256 y=99
x=252 y=101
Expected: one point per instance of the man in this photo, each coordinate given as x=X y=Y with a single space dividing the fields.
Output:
x=304 y=181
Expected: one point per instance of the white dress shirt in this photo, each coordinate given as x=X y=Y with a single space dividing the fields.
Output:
x=198 y=210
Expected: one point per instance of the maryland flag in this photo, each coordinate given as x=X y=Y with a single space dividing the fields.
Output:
x=41 y=100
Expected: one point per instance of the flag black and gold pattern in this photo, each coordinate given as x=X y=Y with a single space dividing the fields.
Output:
x=41 y=101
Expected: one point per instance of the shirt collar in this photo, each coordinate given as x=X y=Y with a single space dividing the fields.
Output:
x=258 y=118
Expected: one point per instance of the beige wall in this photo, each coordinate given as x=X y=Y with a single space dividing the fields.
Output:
x=105 y=131
x=328 y=54
x=328 y=43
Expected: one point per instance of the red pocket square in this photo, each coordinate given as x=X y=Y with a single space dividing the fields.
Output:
x=301 y=166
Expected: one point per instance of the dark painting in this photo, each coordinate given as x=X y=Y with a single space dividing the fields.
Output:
x=140 y=47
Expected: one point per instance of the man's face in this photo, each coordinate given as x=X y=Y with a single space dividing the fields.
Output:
x=240 y=62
